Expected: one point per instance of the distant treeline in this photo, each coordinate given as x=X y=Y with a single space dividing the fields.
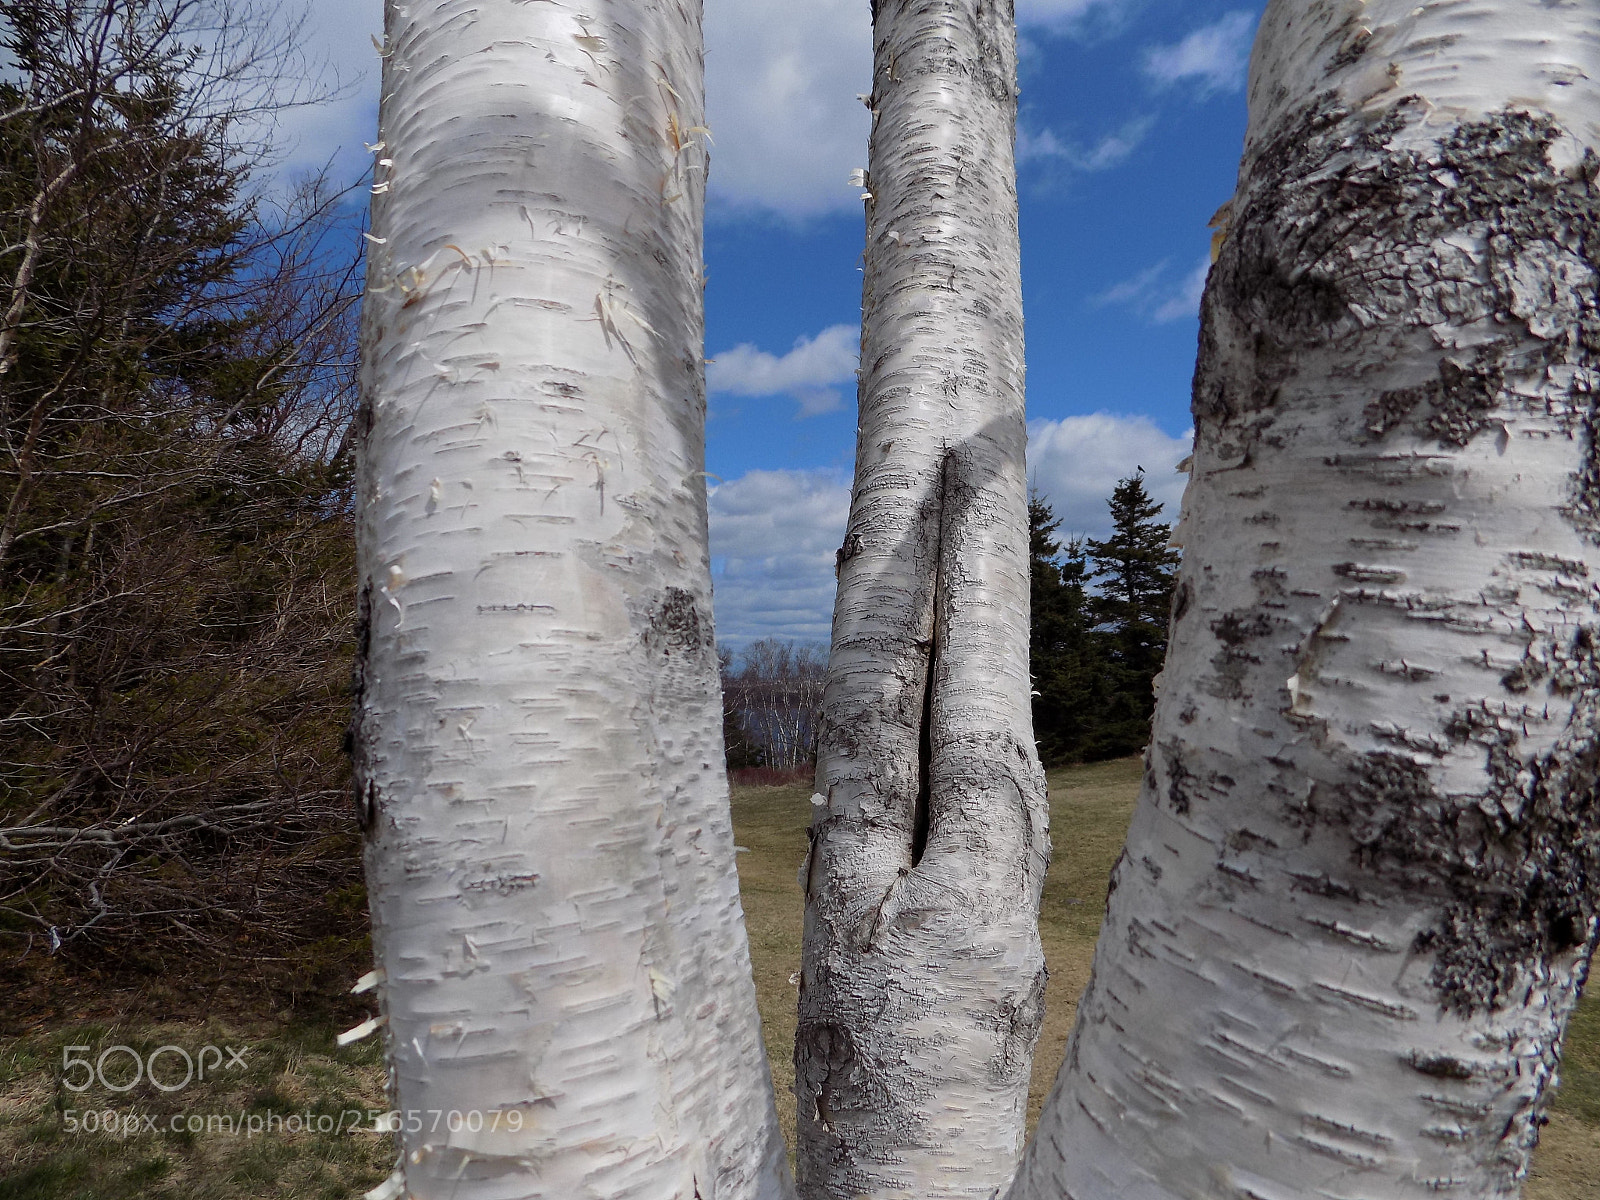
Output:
x=770 y=705
x=1097 y=642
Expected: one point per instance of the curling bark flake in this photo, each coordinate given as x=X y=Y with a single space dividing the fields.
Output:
x=1360 y=890
x=922 y=975
x=538 y=731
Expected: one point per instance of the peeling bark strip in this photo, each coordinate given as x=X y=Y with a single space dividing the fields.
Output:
x=550 y=855
x=1370 y=811
x=922 y=976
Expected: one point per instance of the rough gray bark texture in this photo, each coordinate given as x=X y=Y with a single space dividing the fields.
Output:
x=922 y=976
x=1360 y=891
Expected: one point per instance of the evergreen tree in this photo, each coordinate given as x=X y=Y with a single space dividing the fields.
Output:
x=1096 y=649
x=1061 y=646
x=1135 y=570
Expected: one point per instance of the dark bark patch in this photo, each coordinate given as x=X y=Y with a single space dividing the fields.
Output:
x=1241 y=840
x=1583 y=504
x=1391 y=408
x=1361 y=573
x=1569 y=930
x=676 y=626
x=1337 y=232
x=1018 y=1020
x=1388 y=505
x=1270 y=583
x=825 y=1064
x=1178 y=786
x=1532 y=560
x=1562 y=661
x=1181 y=598
x=1325 y=886
x=922 y=811
x=1515 y=871
x=1439 y=1066
x=1185 y=787
x=368 y=805
x=1350 y=53
x=1463 y=404
x=509 y=885
x=1232 y=662
x=1240 y=628
x=851 y=548
x=1113 y=879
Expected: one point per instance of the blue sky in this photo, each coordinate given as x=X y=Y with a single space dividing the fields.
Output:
x=1131 y=123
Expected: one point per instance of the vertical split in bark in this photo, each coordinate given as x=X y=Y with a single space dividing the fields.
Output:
x=538 y=742
x=922 y=974
x=1361 y=886
x=922 y=813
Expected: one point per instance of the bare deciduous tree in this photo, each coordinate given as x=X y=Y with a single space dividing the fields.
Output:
x=776 y=697
x=176 y=375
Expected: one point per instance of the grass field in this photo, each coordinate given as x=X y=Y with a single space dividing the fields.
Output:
x=287 y=1073
x=295 y=1072
x=1089 y=812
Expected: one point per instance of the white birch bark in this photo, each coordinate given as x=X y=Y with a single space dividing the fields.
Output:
x=538 y=734
x=922 y=974
x=1358 y=897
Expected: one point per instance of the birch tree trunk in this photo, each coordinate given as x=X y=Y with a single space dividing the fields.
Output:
x=922 y=975
x=566 y=981
x=1359 y=895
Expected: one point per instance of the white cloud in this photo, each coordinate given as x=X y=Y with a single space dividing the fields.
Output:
x=1131 y=291
x=1216 y=57
x=782 y=78
x=1062 y=14
x=335 y=48
x=1076 y=462
x=1185 y=301
x=774 y=535
x=1155 y=295
x=781 y=83
x=809 y=372
x=1104 y=154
